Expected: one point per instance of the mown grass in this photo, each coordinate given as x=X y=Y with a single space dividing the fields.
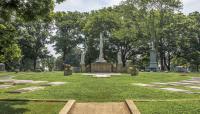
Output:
x=117 y=88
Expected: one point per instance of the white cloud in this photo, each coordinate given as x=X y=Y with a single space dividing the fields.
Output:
x=191 y=6
x=85 y=5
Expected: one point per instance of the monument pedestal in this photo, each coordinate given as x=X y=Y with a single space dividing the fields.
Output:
x=83 y=69
x=101 y=67
x=119 y=68
x=153 y=61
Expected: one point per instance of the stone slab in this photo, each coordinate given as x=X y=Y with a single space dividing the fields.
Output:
x=194 y=87
x=5 y=86
x=16 y=82
x=27 y=89
x=174 y=89
x=54 y=84
x=143 y=85
x=101 y=75
x=7 y=81
x=159 y=83
x=6 y=77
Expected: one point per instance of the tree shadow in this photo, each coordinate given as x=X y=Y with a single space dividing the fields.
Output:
x=13 y=107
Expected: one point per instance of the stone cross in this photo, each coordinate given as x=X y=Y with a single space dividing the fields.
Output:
x=101 y=58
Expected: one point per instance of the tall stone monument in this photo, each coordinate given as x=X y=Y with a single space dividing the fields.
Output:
x=101 y=64
x=2 y=67
x=82 y=63
x=101 y=58
x=153 y=59
x=119 y=62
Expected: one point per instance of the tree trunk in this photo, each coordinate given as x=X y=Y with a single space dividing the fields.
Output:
x=162 y=62
x=169 y=62
x=34 y=63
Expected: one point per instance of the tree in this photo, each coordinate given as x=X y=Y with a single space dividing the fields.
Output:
x=33 y=39
x=25 y=10
x=68 y=32
x=102 y=21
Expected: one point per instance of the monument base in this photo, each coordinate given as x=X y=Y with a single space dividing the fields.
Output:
x=119 y=68
x=83 y=69
x=101 y=67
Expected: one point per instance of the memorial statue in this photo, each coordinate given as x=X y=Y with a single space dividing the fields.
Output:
x=83 y=57
x=119 y=57
x=101 y=58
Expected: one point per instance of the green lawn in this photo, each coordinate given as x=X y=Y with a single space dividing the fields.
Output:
x=88 y=89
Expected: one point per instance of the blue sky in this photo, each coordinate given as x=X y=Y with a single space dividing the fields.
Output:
x=88 y=5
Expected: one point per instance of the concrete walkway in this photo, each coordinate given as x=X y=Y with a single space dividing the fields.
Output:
x=127 y=107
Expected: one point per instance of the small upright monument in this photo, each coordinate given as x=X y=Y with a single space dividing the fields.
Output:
x=153 y=59
x=2 y=67
x=101 y=65
x=67 y=70
x=38 y=67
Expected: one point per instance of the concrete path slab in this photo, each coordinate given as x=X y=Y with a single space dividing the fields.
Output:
x=127 y=107
x=141 y=84
x=6 y=77
x=5 y=86
x=27 y=89
x=54 y=84
x=194 y=87
x=102 y=75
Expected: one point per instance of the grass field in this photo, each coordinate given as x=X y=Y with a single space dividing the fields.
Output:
x=89 y=89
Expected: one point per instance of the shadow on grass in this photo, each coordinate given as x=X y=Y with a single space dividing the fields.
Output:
x=8 y=107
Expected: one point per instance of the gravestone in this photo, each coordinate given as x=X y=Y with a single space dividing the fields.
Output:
x=180 y=69
x=67 y=70
x=38 y=65
x=2 y=67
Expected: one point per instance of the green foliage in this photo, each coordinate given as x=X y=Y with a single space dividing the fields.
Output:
x=27 y=10
x=11 y=54
x=33 y=40
x=68 y=32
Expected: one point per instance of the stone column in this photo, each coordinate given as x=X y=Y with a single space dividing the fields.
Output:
x=101 y=58
x=119 y=62
x=83 y=69
x=153 y=59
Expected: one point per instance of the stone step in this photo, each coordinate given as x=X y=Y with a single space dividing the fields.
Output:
x=127 y=107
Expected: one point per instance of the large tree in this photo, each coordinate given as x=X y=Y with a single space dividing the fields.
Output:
x=33 y=40
x=68 y=32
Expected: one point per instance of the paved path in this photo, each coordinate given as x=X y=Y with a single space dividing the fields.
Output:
x=127 y=107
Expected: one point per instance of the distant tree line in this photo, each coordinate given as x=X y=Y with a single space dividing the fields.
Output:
x=130 y=27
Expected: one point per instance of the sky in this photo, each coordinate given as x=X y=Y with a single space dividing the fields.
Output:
x=88 y=5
